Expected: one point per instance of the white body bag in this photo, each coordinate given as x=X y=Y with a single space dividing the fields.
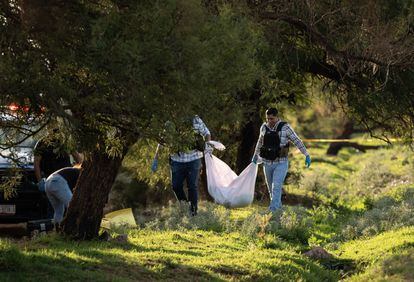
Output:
x=225 y=186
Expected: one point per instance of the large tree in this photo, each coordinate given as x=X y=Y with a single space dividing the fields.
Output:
x=111 y=72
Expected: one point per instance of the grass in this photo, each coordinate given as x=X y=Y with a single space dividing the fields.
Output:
x=157 y=255
x=385 y=257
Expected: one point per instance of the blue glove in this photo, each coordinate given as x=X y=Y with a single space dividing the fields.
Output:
x=308 y=161
x=41 y=185
x=154 y=165
x=255 y=158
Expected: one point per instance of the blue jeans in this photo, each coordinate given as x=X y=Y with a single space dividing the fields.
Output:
x=189 y=172
x=275 y=174
x=59 y=195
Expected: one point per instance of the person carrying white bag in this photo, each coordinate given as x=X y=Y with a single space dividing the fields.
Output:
x=185 y=166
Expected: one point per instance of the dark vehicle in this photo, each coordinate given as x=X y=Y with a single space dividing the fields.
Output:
x=27 y=204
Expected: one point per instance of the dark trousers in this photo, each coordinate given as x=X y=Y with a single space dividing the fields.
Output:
x=189 y=172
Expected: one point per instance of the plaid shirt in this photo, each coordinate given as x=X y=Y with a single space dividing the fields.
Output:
x=185 y=157
x=286 y=134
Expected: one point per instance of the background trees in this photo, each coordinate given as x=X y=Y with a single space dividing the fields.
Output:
x=364 y=51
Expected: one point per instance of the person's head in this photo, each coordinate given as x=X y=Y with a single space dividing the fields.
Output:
x=271 y=116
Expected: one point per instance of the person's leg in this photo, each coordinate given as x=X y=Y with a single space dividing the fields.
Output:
x=56 y=205
x=64 y=194
x=279 y=175
x=178 y=174
x=59 y=195
x=193 y=169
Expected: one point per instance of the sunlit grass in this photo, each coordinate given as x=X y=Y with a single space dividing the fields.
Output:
x=162 y=255
x=386 y=257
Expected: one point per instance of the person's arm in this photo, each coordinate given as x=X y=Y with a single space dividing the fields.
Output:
x=292 y=136
x=154 y=165
x=201 y=128
x=157 y=151
x=36 y=164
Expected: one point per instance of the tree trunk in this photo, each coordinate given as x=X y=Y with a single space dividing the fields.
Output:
x=248 y=136
x=84 y=215
x=250 y=130
x=362 y=148
x=349 y=129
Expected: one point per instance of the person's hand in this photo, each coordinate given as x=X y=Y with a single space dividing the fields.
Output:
x=208 y=149
x=41 y=185
x=154 y=165
x=255 y=159
x=307 y=161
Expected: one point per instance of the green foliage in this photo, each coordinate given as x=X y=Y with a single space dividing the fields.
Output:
x=386 y=213
x=10 y=181
x=373 y=177
x=210 y=217
x=320 y=117
x=293 y=224
x=316 y=183
x=10 y=257
x=138 y=162
x=129 y=70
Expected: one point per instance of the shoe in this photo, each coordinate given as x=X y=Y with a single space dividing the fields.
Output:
x=193 y=210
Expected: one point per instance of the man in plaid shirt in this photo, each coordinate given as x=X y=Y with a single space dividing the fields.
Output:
x=275 y=168
x=186 y=166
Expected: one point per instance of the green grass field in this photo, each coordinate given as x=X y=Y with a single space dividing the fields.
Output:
x=363 y=218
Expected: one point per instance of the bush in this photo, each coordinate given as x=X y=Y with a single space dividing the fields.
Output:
x=210 y=217
x=374 y=177
x=316 y=183
x=292 y=224
x=324 y=214
x=386 y=213
x=289 y=223
x=255 y=225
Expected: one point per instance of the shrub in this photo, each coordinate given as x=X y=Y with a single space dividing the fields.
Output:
x=316 y=183
x=373 y=178
x=176 y=216
x=323 y=214
x=255 y=224
x=386 y=213
x=292 y=224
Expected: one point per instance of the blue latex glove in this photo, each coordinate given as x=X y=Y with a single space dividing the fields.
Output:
x=41 y=185
x=308 y=161
x=154 y=165
x=255 y=158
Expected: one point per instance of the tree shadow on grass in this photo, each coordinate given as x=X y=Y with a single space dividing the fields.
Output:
x=94 y=262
